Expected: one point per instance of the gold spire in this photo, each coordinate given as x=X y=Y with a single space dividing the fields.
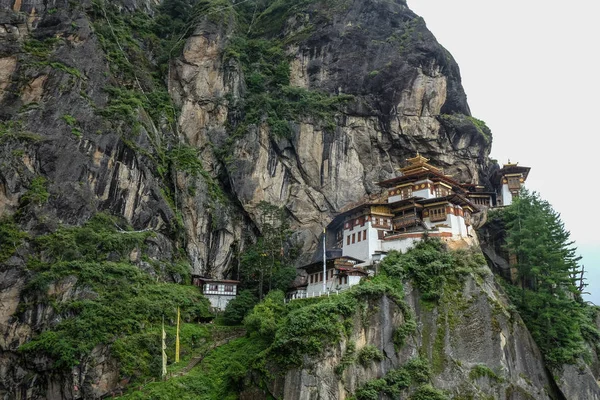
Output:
x=417 y=163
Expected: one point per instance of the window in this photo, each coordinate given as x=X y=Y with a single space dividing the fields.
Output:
x=437 y=214
x=365 y=234
x=406 y=192
x=359 y=237
x=311 y=277
x=229 y=288
x=353 y=238
x=441 y=191
x=348 y=241
x=320 y=276
x=213 y=288
x=514 y=182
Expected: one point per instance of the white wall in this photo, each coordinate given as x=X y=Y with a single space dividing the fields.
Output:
x=219 y=301
x=393 y=199
x=425 y=192
x=401 y=245
x=506 y=195
x=361 y=250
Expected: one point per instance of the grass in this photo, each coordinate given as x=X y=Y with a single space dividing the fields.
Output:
x=220 y=375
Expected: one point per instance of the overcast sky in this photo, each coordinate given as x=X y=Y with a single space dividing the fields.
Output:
x=530 y=70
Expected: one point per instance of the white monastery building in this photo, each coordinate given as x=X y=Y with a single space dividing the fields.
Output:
x=421 y=200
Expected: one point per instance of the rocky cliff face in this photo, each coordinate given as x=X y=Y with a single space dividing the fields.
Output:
x=476 y=345
x=406 y=97
x=92 y=119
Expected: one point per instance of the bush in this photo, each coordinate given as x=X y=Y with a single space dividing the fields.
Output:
x=368 y=354
x=428 y=392
x=237 y=308
x=265 y=317
x=11 y=237
x=481 y=370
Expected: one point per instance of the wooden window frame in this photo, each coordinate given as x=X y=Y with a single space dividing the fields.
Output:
x=438 y=214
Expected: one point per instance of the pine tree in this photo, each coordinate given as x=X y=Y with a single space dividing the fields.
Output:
x=549 y=300
x=267 y=265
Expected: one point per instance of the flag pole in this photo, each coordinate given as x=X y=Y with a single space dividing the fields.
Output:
x=164 y=348
x=324 y=261
x=177 y=339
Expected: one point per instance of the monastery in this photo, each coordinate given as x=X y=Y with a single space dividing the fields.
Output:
x=422 y=200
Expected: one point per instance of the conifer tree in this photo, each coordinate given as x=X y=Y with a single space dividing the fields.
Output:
x=267 y=265
x=548 y=299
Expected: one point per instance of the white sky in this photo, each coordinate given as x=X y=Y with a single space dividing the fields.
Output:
x=530 y=69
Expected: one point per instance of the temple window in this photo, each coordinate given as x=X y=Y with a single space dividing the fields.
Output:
x=514 y=182
x=365 y=234
x=437 y=214
x=406 y=193
x=229 y=288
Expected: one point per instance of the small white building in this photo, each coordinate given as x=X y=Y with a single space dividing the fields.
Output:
x=218 y=292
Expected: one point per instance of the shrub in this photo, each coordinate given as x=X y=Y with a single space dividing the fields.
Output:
x=481 y=370
x=265 y=316
x=237 y=308
x=428 y=392
x=368 y=354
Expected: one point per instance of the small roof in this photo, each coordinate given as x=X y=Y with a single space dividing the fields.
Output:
x=330 y=262
x=210 y=280
x=433 y=174
x=417 y=164
x=510 y=168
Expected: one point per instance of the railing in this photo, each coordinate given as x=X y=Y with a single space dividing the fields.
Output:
x=403 y=222
x=310 y=295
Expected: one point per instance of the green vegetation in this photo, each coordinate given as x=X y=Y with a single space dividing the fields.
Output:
x=414 y=374
x=40 y=49
x=303 y=329
x=11 y=238
x=268 y=264
x=113 y=299
x=405 y=330
x=480 y=371
x=368 y=354
x=220 y=376
x=460 y=120
x=239 y=307
x=72 y=122
x=37 y=194
x=348 y=359
x=270 y=99
x=13 y=130
x=547 y=294
x=430 y=267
